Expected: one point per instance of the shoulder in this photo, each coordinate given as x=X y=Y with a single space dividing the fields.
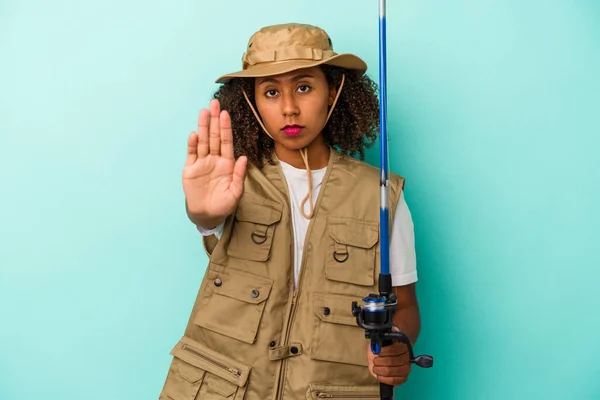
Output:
x=367 y=172
x=353 y=165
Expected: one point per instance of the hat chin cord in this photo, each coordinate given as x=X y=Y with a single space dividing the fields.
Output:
x=303 y=151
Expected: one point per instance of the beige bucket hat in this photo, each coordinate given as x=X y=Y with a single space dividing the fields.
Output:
x=282 y=48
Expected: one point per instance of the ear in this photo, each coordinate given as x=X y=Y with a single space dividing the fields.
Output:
x=332 y=94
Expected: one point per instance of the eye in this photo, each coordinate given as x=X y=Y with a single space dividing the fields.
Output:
x=271 y=93
x=304 y=89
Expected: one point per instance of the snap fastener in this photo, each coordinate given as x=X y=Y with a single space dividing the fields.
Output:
x=294 y=350
x=218 y=282
x=326 y=311
x=272 y=344
x=255 y=293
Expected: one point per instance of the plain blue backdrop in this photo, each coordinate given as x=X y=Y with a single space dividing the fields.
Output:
x=494 y=121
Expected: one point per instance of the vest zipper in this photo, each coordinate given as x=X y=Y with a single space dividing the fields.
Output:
x=282 y=371
x=293 y=313
x=211 y=360
x=346 y=395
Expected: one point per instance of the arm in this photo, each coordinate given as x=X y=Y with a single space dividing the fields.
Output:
x=408 y=317
x=392 y=365
x=210 y=236
x=403 y=268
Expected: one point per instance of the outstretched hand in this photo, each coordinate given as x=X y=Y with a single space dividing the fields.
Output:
x=213 y=181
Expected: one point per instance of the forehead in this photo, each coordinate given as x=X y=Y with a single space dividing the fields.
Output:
x=313 y=72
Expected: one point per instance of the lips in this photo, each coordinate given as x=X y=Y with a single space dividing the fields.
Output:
x=292 y=130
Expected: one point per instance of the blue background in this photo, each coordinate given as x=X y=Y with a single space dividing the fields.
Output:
x=494 y=121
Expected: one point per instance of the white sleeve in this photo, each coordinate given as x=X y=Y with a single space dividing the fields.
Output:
x=403 y=260
x=217 y=231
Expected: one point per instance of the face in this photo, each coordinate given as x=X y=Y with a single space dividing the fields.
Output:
x=294 y=106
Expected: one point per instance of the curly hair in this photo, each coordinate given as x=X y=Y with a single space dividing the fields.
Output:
x=353 y=125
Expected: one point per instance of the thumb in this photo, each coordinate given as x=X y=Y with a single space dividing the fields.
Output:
x=239 y=173
x=370 y=357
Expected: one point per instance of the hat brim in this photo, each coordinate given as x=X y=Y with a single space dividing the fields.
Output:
x=349 y=61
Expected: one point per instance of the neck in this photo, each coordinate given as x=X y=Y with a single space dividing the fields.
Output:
x=318 y=154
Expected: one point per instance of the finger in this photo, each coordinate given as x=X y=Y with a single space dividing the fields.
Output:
x=396 y=349
x=239 y=173
x=391 y=371
x=390 y=361
x=371 y=371
x=226 y=135
x=203 y=133
x=370 y=357
x=192 y=150
x=213 y=130
x=395 y=381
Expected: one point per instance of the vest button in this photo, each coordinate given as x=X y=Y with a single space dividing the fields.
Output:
x=255 y=293
x=294 y=350
x=218 y=282
x=272 y=344
x=326 y=311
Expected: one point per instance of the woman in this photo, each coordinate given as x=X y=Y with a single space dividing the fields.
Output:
x=290 y=221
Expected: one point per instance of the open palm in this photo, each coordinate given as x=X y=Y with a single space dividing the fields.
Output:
x=213 y=181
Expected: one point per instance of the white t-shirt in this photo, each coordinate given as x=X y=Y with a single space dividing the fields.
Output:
x=403 y=266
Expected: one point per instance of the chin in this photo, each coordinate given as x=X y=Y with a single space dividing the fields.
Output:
x=296 y=142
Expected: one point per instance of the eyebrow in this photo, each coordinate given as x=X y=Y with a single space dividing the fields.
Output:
x=273 y=80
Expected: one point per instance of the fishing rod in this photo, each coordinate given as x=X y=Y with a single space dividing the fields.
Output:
x=377 y=314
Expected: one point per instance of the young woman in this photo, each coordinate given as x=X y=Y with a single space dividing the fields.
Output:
x=290 y=220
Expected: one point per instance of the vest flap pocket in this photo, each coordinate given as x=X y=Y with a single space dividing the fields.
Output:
x=353 y=232
x=233 y=302
x=188 y=371
x=264 y=212
x=336 y=335
x=205 y=359
x=253 y=229
x=335 y=309
x=220 y=386
x=351 y=255
x=242 y=286
x=183 y=381
x=320 y=391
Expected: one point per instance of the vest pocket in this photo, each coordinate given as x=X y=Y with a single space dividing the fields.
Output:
x=352 y=252
x=197 y=372
x=233 y=303
x=336 y=335
x=253 y=229
x=317 y=391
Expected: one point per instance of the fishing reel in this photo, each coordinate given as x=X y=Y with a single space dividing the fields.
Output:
x=377 y=318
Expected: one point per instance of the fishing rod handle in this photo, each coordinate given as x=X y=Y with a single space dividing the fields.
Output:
x=386 y=392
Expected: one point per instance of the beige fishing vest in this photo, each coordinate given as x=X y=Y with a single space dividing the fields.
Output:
x=250 y=335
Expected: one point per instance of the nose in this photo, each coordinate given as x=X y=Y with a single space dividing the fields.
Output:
x=289 y=105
